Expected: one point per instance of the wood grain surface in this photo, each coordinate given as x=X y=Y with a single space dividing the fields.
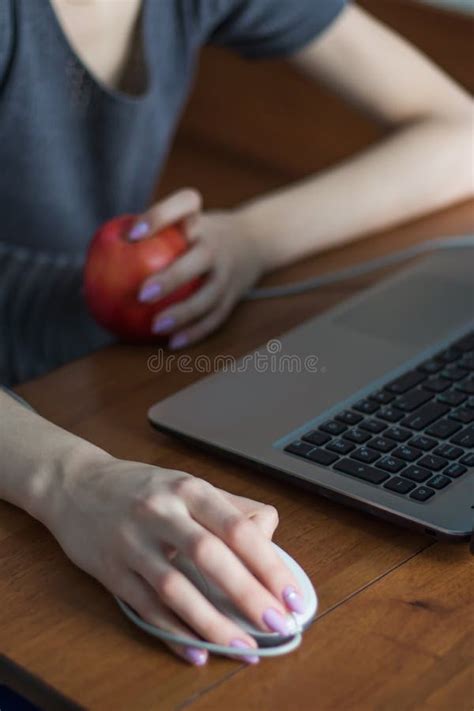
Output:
x=395 y=630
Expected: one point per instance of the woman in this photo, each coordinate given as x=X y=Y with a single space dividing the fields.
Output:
x=90 y=92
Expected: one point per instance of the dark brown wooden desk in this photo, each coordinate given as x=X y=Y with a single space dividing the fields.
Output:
x=395 y=631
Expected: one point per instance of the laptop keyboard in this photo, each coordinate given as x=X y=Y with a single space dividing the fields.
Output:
x=414 y=437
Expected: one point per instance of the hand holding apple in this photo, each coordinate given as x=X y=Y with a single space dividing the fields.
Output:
x=115 y=270
x=175 y=271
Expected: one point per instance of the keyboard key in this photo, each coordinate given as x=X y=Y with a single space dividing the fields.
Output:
x=455 y=469
x=333 y=428
x=454 y=372
x=322 y=456
x=366 y=406
x=349 y=418
x=407 y=453
x=365 y=454
x=465 y=438
x=468 y=361
x=341 y=446
x=430 y=366
x=397 y=433
x=443 y=428
x=452 y=397
x=406 y=382
x=449 y=451
x=374 y=426
x=422 y=493
x=390 y=413
x=356 y=435
x=413 y=399
x=437 y=384
x=449 y=355
x=416 y=473
x=299 y=448
x=432 y=461
x=468 y=459
x=400 y=486
x=423 y=442
x=316 y=438
x=466 y=343
x=463 y=414
x=391 y=464
x=381 y=444
x=427 y=414
x=382 y=397
x=361 y=471
x=466 y=386
x=439 y=481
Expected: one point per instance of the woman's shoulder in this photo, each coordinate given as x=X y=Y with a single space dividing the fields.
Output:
x=6 y=35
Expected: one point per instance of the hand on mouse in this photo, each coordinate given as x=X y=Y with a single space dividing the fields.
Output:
x=221 y=248
x=123 y=522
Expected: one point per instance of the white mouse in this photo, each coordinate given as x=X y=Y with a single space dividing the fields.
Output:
x=226 y=606
x=222 y=603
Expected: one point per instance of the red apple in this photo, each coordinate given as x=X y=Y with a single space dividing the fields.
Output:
x=116 y=269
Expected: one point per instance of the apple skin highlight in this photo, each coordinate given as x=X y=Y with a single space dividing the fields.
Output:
x=115 y=270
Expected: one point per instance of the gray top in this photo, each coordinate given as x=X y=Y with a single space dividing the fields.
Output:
x=74 y=152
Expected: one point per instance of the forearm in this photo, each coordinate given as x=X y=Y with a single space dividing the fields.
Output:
x=37 y=459
x=420 y=168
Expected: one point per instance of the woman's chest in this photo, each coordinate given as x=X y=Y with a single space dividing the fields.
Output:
x=102 y=33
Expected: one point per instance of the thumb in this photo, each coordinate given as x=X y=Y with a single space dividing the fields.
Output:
x=178 y=206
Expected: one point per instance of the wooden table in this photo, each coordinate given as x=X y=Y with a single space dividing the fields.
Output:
x=395 y=629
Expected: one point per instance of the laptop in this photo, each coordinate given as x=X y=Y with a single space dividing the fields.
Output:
x=370 y=404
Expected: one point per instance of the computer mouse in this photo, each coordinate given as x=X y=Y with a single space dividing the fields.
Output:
x=227 y=607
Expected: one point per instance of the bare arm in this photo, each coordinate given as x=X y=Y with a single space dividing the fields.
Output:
x=424 y=164
x=35 y=458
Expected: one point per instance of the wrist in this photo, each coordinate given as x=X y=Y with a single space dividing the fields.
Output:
x=251 y=228
x=55 y=480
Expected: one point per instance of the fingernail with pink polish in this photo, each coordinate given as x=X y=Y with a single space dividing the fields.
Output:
x=249 y=658
x=277 y=622
x=163 y=325
x=293 y=599
x=149 y=292
x=178 y=342
x=139 y=230
x=198 y=657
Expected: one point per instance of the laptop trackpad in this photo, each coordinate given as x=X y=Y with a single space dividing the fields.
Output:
x=419 y=310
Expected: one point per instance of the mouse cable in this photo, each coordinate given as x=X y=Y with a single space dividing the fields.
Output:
x=284 y=648
x=372 y=265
